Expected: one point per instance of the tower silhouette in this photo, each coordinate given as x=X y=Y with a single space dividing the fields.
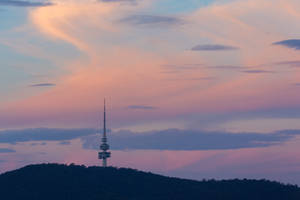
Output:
x=104 y=154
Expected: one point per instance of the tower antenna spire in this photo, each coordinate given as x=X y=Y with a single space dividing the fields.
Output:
x=104 y=119
x=104 y=154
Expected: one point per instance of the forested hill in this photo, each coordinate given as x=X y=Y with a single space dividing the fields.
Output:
x=61 y=182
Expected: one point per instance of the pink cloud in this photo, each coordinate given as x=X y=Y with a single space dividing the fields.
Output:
x=130 y=73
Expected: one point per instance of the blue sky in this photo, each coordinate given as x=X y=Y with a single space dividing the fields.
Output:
x=179 y=7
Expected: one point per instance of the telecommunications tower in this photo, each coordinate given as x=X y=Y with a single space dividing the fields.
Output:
x=104 y=154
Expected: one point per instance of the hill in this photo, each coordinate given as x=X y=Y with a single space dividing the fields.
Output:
x=62 y=182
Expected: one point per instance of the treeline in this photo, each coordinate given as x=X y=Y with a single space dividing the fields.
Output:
x=62 y=182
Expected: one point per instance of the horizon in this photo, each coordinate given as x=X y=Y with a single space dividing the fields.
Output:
x=194 y=89
x=137 y=170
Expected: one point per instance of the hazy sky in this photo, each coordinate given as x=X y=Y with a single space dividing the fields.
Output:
x=223 y=72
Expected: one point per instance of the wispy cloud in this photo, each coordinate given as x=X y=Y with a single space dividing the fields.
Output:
x=182 y=67
x=43 y=134
x=37 y=144
x=111 y=1
x=226 y=67
x=213 y=47
x=152 y=20
x=293 y=43
x=64 y=143
x=257 y=71
x=208 y=78
x=173 y=69
x=291 y=63
x=18 y=3
x=4 y=150
x=141 y=107
x=43 y=85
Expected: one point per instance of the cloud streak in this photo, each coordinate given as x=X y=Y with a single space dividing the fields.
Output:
x=151 y=20
x=213 y=47
x=175 y=139
x=141 y=107
x=4 y=150
x=43 y=134
x=169 y=139
x=17 y=3
x=258 y=71
x=291 y=63
x=293 y=43
x=64 y=143
x=43 y=85
x=113 y=1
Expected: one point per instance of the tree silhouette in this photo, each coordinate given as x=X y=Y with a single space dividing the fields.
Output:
x=62 y=182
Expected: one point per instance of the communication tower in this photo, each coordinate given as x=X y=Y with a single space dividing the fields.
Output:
x=104 y=154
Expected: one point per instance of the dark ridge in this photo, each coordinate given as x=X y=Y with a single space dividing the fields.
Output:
x=62 y=182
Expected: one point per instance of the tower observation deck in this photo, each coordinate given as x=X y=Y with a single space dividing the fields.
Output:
x=104 y=154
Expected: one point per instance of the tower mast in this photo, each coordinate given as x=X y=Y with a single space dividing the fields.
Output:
x=104 y=154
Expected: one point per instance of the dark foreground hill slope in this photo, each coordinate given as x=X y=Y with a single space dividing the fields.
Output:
x=61 y=182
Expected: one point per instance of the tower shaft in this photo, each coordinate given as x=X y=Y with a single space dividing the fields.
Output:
x=104 y=154
x=104 y=120
x=104 y=162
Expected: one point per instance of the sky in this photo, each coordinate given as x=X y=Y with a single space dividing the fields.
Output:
x=194 y=89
